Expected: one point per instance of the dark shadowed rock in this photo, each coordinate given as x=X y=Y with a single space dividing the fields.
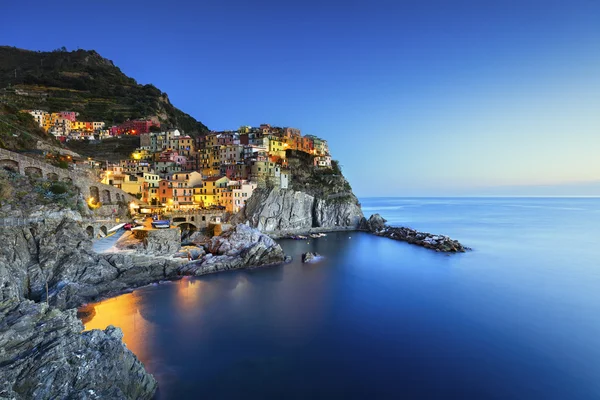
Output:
x=44 y=355
x=308 y=257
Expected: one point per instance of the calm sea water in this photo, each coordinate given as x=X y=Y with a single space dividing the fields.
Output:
x=517 y=318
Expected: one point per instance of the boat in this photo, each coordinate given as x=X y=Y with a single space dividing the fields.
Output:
x=161 y=224
x=317 y=235
x=138 y=222
x=115 y=228
x=127 y=226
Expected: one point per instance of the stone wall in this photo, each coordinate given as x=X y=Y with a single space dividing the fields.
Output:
x=84 y=180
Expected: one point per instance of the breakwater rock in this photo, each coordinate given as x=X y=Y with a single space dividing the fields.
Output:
x=376 y=225
x=44 y=355
x=239 y=247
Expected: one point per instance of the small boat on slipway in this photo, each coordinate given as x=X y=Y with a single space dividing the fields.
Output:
x=161 y=224
x=115 y=228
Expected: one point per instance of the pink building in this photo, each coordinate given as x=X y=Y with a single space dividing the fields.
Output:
x=70 y=115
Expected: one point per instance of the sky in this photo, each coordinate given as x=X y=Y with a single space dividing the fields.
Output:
x=416 y=98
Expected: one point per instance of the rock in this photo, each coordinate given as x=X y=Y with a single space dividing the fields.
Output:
x=239 y=247
x=44 y=355
x=308 y=257
x=159 y=241
x=275 y=210
x=439 y=243
x=375 y=223
x=60 y=253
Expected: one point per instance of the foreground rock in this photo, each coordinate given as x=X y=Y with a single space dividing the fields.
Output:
x=44 y=355
x=151 y=242
x=59 y=253
x=376 y=225
x=239 y=247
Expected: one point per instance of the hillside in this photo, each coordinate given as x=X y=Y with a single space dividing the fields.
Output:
x=85 y=82
x=19 y=131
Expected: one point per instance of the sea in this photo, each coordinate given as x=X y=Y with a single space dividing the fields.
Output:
x=518 y=317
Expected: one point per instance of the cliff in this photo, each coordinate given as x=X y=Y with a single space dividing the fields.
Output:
x=318 y=199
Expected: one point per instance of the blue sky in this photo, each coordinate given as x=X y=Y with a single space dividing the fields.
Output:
x=424 y=97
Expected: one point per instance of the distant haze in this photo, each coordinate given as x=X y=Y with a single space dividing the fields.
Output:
x=415 y=98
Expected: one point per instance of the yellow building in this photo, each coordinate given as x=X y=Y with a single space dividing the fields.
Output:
x=78 y=125
x=276 y=146
x=210 y=192
x=133 y=185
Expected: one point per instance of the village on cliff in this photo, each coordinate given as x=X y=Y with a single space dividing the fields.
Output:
x=174 y=171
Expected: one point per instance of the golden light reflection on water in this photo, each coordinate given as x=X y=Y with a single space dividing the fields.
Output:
x=123 y=312
x=188 y=291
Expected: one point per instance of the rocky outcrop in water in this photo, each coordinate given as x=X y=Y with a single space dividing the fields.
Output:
x=376 y=225
x=44 y=355
x=308 y=257
x=239 y=247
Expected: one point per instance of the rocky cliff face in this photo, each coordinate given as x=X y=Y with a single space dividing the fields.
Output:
x=44 y=355
x=276 y=210
x=58 y=252
x=317 y=198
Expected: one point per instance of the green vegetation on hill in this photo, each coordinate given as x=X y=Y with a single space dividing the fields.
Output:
x=25 y=193
x=113 y=150
x=319 y=182
x=19 y=131
x=85 y=82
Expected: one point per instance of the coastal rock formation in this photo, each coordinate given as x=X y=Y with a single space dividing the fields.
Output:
x=159 y=241
x=57 y=253
x=376 y=225
x=44 y=355
x=288 y=210
x=308 y=257
x=239 y=247
x=317 y=199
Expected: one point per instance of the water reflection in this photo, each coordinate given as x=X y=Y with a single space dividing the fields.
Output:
x=124 y=312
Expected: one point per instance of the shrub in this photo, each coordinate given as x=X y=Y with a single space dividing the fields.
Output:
x=58 y=188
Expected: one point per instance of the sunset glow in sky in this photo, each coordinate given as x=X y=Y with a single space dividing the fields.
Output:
x=415 y=97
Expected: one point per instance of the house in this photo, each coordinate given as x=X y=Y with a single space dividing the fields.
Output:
x=322 y=161
x=236 y=194
x=38 y=115
x=165 y=193
x=210 y=193
x=133 y=184
x=150 y=188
